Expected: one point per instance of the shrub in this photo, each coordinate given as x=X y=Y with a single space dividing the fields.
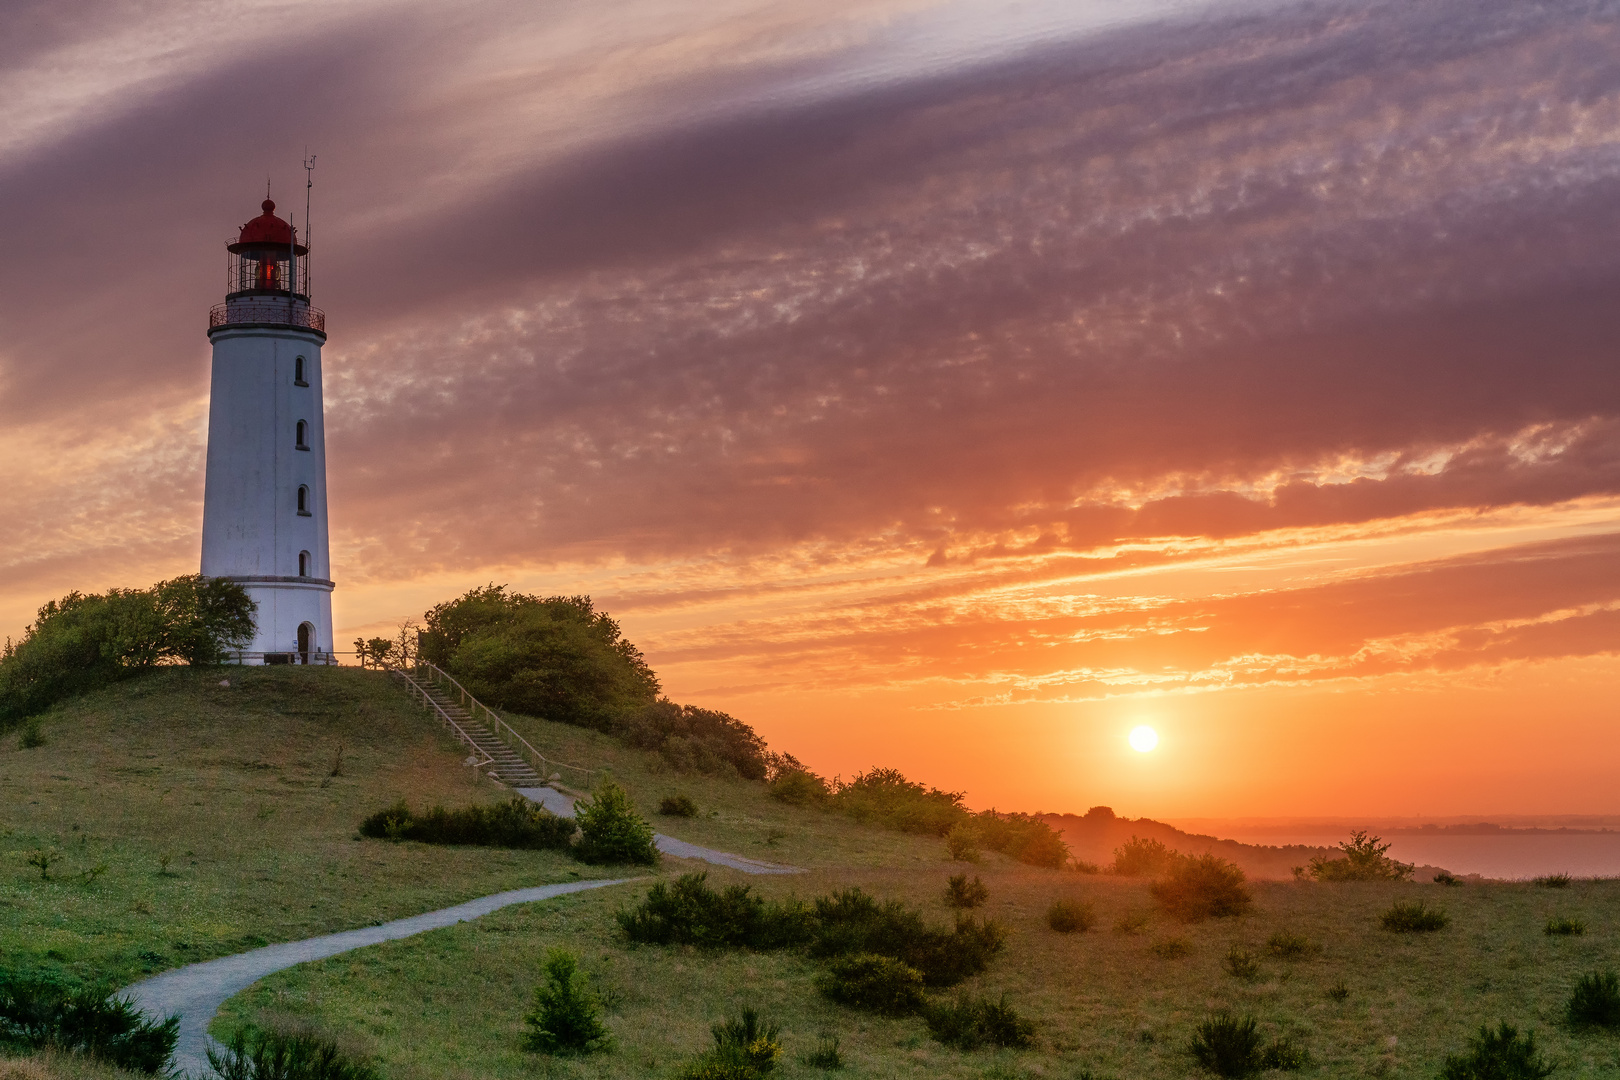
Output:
x=1200 y=888
x=1364 y=859
x=1230 y=1045
x=1132 y=922
x=677 y=806
x=566 y=1018
x=32 y=736
x=611 y=831
x=1024 y=837
x=744 y=1049
x=1562 y=927
x=1446 y=877
x=1172 y=948
x=879 y=984
x=1502 y=1054
x=962 y=893
x=826 y=1055
x=1070 y=916
x=1553 y=881
x=38 y=1014
x=885 y=797
x=1412 y=917
x=969 y=1024
x=1339 y=991
x=1143 y=858
x=691 y=739
x=516 y=823
x=851 y=922
x=1291 y=946
x=1242 y=964
x=962 y=842
x=1595 y=1001
x=799 y=787
x=689 y=912
x=269 y=1055
x=81 y=642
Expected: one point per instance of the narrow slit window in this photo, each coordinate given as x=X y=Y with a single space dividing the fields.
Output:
x=303 y=499
x=298 y=373
x=303 y=564
x=303 y=435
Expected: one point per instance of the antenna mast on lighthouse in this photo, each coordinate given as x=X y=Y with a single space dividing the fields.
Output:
x=309 y=184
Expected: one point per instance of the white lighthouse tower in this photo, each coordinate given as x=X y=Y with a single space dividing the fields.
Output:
x=264 y=507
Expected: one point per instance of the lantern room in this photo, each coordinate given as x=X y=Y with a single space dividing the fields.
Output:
x=267 y=258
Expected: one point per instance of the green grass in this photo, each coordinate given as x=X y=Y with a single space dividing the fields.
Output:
x=173 y=763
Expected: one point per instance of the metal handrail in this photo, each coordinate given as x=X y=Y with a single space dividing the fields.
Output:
x=417 y=690
x=267 y=310
x=500 y=724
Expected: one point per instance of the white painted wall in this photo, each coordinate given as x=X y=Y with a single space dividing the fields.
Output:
x=252 y=531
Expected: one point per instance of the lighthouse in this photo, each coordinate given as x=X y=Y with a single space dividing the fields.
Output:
x=264 y=504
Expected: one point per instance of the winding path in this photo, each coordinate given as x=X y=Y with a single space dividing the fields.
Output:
x=196 y=992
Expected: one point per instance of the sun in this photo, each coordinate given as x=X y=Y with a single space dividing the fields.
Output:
x=1143 y=739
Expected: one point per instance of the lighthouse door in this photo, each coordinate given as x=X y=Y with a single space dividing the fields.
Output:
x=305 y=633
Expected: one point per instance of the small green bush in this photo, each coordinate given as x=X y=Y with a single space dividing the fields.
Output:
x=962 y=893
x=1339 y=991
x=1446 y=877
x=1553 y=881
x=516 y=823
x=1232 y=1046
x=1070 y=916
x=689 y=912
x=1173 y=948
x=968 y=1024
x=1291 y=946
x=874 y=983
x=32 y=736
x=611 y=831
x=270 y=1055
x=1201 y=888
x=1595 y=1001
x=566 y=1018
x=1503 y=1054
x=678 y=806
x=1413 y=917
x=744 y=1049
x=39 y=1014
x=799 y=787
x=1364 y=859
x=1143 y=858
x=1242 y=964
x=1560 y=926
x=826 y=1055
x=851 y=922
x=962 y=842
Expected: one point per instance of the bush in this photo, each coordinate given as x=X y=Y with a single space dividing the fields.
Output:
x=1290 y=946
x=80 y=642
x=677 y=806
x=874 y=983
x=1242 y=964
x=32 y=737
x=38 y=1014
x=826 y=1054
x=969 y=1024
x=516 y=823
x=1562 y=927
x=268 y=1055
x=1412 y=917
x=851 y=922
x=885 y=797
x=799 y=787
x=691 y=913
x=1339 y=991
x=1364 y=859
x=1446 y=877
x=1200 y=888
x=1132 y=922
x=1172 y=948
x=1230 y=1045
x=566 y=1015
x=962 y=842
x=745 y=1048
x=1553 y=881
x=695 y=740
x=962 y=893
x=1024 y=837
x=1143 y=858
x=1070 y=916
x=1595 y=1001
x=611 y=831
x=1502 y=1054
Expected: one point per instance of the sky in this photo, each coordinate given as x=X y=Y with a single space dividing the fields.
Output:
x=951 y=385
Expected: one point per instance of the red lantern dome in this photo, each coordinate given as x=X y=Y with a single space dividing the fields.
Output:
x=267 y=230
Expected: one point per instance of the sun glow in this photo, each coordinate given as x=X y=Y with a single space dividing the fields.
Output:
x=1143 y=739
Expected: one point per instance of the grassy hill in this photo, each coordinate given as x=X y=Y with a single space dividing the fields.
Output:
x=234 y=787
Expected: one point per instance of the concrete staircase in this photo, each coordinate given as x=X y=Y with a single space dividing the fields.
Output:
x=506 y=764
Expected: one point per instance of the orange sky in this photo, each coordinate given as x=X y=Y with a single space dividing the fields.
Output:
x=947 y=385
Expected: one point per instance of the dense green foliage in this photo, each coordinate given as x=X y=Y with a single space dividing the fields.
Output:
x=1070 y=916
x=1563 y=926
x=1287 y=945
x=611 y=831
x=1137 y=857
x=678 y=806
x=689 y=912
x=566 y=1018
x=963 y=893
x=1595 y=1001
x=969 y=1023
x=872 y=983
x=1364 y=859
x=799 y=787
x=1230 y=1045
x=744 y=1049
x=1202 y=887
x=1502 y=1054
x=885 y=797
x=516 y=823
x=38 y=1013
x=1413 y=917
x=694 y=740
x=82 y=642
x=254 y=1054
x=851 y=922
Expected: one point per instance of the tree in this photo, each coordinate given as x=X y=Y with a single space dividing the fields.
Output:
x=611 y=831
x=565 y=1019
x=1364 y=859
